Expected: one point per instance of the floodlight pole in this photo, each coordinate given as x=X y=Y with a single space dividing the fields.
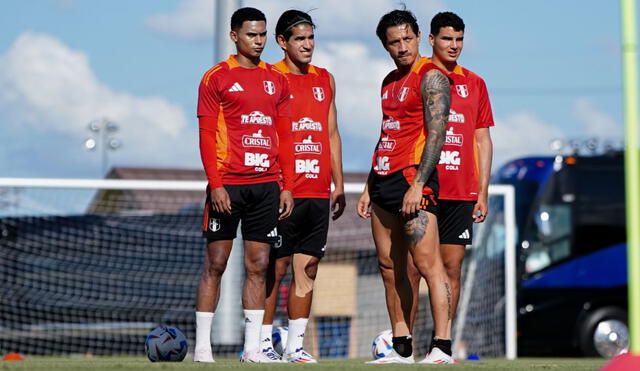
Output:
x=631 y=171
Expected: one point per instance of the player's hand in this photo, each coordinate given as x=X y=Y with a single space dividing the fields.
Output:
x=338 y=203
x=286 y=204
x=411 y=201
x=363 y=208
x=221 y=201
x=480 y=210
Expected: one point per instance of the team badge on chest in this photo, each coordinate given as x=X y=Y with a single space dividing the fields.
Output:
x=462 y=90
x=404 y=93
x=318 y=93
x=269 y=87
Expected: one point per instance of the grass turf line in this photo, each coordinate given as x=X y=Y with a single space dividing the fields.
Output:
x=141 y=363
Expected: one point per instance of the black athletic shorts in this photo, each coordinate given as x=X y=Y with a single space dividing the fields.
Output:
x=455 y=222
x=256 y=205
x=305 y=230
x=388 y=191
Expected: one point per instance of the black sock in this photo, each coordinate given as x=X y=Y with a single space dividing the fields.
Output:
x=431 y=345
x=403 y=345
x=443 y=345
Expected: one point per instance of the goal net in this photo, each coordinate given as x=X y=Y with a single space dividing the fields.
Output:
x=90 y=267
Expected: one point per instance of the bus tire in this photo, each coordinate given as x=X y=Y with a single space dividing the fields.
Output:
x=612 y=337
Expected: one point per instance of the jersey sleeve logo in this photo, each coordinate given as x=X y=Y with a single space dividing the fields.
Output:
x=318 y=93
x=256 y=117
x=308 y=146
x=256 y=140
x=269 y=87
x=462 y=90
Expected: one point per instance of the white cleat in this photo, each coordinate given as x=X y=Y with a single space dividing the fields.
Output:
x=257 y=356
x=299 y=356
x=203 y=355
x=437 y=357
x=272 y=354
x=392 y=357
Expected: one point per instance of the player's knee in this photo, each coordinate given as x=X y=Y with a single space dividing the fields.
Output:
x=311 y=269
x=216 y=267
x=453 y=272
x=257 y=266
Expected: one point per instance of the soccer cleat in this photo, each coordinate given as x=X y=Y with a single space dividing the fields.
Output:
x=203 y=355
x=257 y=357
x=437 y=357
x=392 y=357
x=299 y=356
x=272 y=354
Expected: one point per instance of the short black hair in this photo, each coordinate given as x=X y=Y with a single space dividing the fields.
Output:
x=446 y=19
x=290 y=19
x=396 y=18
x=246 y=14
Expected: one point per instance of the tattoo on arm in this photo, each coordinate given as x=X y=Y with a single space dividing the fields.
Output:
x=436 y=101
x=416 y=228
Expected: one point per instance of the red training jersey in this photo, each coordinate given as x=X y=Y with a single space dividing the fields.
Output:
x=470 y=110
x=403 y=134
x=245 y=104
x=311 y=97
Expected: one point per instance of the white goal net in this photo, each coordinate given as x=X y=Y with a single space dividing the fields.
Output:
x=91 y=266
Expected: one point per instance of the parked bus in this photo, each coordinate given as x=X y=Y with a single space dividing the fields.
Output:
x=571 y=254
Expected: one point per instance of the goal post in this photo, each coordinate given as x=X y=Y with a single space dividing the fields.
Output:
x=91 y=266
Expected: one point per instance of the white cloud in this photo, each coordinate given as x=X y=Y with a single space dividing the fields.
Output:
x=522 y=134
x=354 y=19
x=192 y=20
x=46 y=87
x=596 y=123
x=358 y=76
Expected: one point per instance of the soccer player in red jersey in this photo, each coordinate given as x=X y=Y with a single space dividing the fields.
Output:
x=243 y=111
x=465 y=163
x=318 y=159
x=402 y=189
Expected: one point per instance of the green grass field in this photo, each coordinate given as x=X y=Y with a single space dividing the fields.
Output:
x=140 y=363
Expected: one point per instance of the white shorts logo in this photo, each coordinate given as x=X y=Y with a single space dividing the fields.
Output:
x=278 y=243
x=462 y=90
x=214 y=224
x=318 y=93
x=269 y=87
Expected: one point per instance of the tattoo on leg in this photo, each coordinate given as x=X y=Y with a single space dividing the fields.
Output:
x=446 y=286
x=416 y=228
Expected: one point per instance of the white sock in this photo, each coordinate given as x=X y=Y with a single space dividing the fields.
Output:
x=265 y=336
x=203 y=330
x=252 y=326
x=295 y=337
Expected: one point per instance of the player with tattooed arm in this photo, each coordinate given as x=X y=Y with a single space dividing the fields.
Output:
x=401 y=194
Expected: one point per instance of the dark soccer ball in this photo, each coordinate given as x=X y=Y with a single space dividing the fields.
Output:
x=166 y=344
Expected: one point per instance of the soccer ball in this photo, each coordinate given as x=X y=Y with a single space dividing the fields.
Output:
x=279 y=338
x=166 y=344
x=382 y=344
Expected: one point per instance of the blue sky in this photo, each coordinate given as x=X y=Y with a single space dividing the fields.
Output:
x=552 y=68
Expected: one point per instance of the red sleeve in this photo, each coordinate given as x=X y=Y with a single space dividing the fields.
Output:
x=208 y=150
x=284 y=103
x=485 y=116
x=285 y=152
x=208 y=96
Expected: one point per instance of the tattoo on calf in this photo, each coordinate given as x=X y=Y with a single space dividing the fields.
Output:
x=415 y=228
x=449 y=305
